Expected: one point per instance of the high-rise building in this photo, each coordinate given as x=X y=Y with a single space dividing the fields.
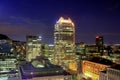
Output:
x=64 y=39
x=100 y=44
x=48 y=51
x=33 y=47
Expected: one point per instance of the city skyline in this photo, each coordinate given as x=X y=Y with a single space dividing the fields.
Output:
x=91 y=18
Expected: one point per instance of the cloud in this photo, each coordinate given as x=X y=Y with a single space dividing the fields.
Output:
x=25 y=20
x=11 y=29
x=20 y=19
x=21 y=25
x=13 y=17
x=4 y=23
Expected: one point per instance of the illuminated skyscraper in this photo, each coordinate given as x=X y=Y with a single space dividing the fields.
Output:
x=33 y=47
x=64 y=39
x=100 y=44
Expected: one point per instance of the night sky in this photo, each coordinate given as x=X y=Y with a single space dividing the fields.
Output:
x=19 y=18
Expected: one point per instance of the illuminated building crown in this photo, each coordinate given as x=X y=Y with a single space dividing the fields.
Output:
x=63 y=20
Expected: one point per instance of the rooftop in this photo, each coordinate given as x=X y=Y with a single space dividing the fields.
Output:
x=101 y=61
x=63 y=20
x=117 y=66
x=40 y=67
x=103 y=71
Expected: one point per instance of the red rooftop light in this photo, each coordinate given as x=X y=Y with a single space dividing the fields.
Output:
x=97 y=36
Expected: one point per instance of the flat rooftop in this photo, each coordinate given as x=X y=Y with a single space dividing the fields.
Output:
x=117 y=66
x=101 y=61
x=40 y=68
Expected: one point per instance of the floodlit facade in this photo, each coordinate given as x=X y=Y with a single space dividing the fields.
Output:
x=91 y=68
x=33 y=47
x=64 y=39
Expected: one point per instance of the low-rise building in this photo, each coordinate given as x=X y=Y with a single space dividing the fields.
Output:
x=112 y=73
x=41 y=69
x=103 y=75
x=92 y=67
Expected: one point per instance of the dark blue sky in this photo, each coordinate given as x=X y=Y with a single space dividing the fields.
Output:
x=91 y=17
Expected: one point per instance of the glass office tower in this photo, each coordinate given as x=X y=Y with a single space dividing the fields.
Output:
x=64 y=39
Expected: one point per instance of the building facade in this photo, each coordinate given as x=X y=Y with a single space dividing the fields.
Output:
x=40 y=68
x=33 y=47
x=102 y=75
x=8 y=60
x=112 y=73
x=100 y=44
x=80 y=48
x=64 y=39
x=48 y=51
x=92 y=68
x=59 y=77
